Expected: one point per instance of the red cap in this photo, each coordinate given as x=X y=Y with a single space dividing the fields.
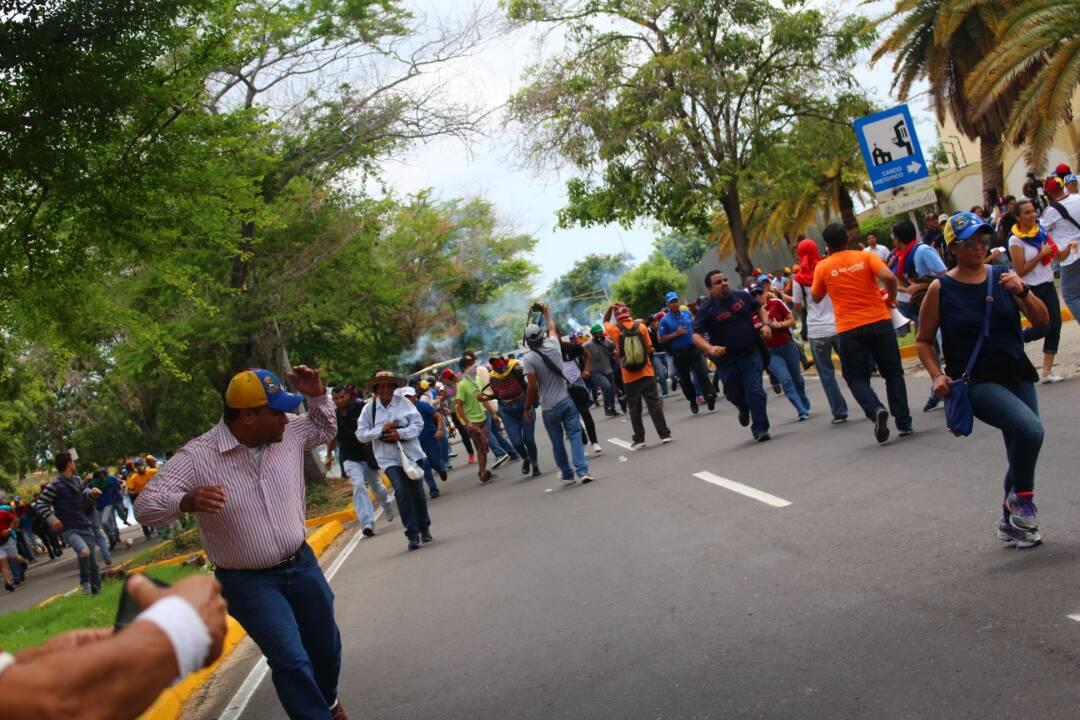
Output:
x=1053 y=184
x=622 y=312
x=1062 y=170
x=448 y=374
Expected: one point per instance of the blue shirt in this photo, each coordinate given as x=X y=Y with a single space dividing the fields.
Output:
x=928 y=262
x=729 y=322
x=431 y=426
x=670 y=323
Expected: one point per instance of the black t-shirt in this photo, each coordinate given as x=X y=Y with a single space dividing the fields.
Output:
x=933 y=238
x=729 y=322
x=572 y=352
x=349 y=447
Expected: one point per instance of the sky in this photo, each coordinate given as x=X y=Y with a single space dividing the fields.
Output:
x=487 y=167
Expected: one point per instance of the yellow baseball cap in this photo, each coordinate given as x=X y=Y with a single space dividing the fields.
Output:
x=255 y=387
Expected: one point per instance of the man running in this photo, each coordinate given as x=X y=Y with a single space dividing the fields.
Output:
x=724 y=330
x=677 y=330
x=472 y=413
x=600 y=350
x=358 y=461
x=63 y=504
x=244 y=481
x=864 y=327
x=633 y=346
x=136 y=483
x=508 y=386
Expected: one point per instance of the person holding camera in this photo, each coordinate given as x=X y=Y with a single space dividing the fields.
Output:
x=392 y=424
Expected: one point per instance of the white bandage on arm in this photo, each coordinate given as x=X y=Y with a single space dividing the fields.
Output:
x=185 y=629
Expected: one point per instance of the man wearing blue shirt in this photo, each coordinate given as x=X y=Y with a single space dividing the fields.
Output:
x=677 y=332
x=724 y=330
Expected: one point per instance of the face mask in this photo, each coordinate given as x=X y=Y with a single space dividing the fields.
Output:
x=470 y=372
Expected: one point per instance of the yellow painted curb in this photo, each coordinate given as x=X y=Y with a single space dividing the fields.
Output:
x=178 y=560
x=343 y=516
x=170 y=703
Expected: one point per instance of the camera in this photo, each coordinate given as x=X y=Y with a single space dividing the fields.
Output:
x=537 y=307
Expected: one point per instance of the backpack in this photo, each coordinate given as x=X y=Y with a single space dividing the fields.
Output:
x=632 y=353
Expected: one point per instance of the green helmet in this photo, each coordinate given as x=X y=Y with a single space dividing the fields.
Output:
x=597 y=329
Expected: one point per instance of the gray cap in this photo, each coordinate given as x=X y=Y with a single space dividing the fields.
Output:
x=533 y=332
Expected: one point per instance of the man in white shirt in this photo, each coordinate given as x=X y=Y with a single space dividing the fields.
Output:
x=1061 y=219
x=880 y=250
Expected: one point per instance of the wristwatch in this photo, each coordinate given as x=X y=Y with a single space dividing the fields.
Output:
x=1024 y=293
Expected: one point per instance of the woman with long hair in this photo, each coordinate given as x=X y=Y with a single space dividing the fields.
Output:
x=1032 y=251
x=1001 y=378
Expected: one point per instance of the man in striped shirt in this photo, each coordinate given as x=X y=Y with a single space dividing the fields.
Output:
x=244 y=480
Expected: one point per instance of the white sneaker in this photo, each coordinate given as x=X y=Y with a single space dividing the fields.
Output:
x=597 y=449
x=638 y=445
x=569 y=481
x=1052 y=378
x=665 y=441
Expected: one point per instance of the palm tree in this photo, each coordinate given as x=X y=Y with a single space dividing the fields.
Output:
x=1040 y=39
x=943 y=41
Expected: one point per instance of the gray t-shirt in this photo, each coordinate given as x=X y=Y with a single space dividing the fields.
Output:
x=552 y=387
x=601 y=360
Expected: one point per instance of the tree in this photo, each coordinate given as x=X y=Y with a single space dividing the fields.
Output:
x=942 y=41
x=1039 y=39
x=682 y=250
x=583 y=290
x=662 y=107
x=644 y=287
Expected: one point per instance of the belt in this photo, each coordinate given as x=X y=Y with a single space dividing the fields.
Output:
x=286 y=563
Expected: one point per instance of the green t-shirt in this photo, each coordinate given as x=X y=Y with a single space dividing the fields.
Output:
x=467 y=391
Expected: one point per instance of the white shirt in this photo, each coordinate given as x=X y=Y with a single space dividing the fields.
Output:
x=1061 y=229
x=820 y=319
x=881 y=251
x=1040 y=273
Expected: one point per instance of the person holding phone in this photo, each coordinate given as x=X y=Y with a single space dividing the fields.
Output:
x=244 y=481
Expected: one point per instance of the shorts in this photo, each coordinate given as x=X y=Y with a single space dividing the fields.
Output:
x=478 y=433
x=9 y=548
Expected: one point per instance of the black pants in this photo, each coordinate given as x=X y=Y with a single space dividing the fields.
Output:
x=645 y=388
x=690 y=360
x=48 y=539
x=583 y=401
x=875 y=342
x=1051 y=331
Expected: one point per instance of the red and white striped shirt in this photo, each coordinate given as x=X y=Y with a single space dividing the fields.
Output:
x=262 y=522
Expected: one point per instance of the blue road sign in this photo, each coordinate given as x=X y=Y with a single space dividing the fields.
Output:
x=890 y=148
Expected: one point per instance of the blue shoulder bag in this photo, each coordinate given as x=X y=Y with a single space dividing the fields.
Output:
x=959 y=415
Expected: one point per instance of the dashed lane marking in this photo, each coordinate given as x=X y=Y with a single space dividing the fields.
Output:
x=621 y=443
x=746 y=490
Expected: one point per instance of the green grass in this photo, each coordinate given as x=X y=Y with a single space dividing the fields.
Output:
x=186 y=542
x=24 y=628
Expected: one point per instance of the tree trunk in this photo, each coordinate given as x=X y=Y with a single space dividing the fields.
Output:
x=733 y=209
x=991 y=150
x=847 y=212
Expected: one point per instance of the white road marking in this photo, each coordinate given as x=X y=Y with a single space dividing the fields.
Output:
x=621 y=443
x=743 y=489
x=251 y=683
x=1074 y=616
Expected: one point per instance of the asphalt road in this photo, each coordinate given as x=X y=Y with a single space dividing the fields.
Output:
x=880 y=591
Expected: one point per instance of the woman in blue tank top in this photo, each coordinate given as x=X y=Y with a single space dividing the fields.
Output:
x=1002 y=379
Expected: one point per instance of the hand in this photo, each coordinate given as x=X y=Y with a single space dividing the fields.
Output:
x=585 y=374
x=329 y=461
x=1011 y=282
x=206 y=499
x=202 y=592
x=389 y=426
x=1044 y=251
x=681 y=330
x=306 y=381
x=941 y=385
x=95 y=492
x=438 y=434
x=717 y=351
x=527 y=415
x=56 y=525
x=766 y=332
x=390 y=436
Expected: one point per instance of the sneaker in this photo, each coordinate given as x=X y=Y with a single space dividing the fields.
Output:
x=1022 y=511
x=586 y=479
x=388 y=513
x=368 y=531
x=9 y=587
x=433 y=494
x=425 y=537
x=85 y=588
x=762 y=437
x=472 y=459
x=1052 y=378
x=536 y=471
x=567 y=481
x=500 y=462
x=710 y=402
x=638 y=444
x=839 y=419
x=597 y=449
x=905 y=433
x=525 y=466
x=666 y=440
x=700 y=400
x=744 y=417
x=694 y=408
x=487 y=477
x=931 y=403
x=108 y=561
x=881 y=425
x=777 y=389
x=1018 y=537
x=414 y=544
x=803 y=416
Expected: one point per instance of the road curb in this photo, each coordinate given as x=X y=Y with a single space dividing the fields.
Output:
x=170 y=703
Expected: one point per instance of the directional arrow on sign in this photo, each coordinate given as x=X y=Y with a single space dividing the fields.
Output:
x=913 y=167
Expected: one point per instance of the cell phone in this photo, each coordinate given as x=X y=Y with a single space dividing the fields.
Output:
x=129 y=609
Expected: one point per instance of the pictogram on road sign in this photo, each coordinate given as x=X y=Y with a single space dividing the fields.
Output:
x=890 y=148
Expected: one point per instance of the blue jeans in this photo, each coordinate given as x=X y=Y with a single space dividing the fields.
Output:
x=444 y=446
x=741 y=376
x=784 y=364
x=563 y=419
x=362 y=476
x=602 y=381
x=821 y=349
x=1070 y=288
x=99 y=533
x=1013 y=409
x=289 y=613
x=108 y=522
x=431 y=463
x=499 y=445
x=82 y=541
x=875 y=343
x=661 y=368
x=522 y=434
x=411 y=502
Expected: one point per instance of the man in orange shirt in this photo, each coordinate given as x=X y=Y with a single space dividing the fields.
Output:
x=864 y=328
x=634 y=350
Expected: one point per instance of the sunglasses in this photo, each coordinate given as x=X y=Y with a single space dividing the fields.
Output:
x=975 y=242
